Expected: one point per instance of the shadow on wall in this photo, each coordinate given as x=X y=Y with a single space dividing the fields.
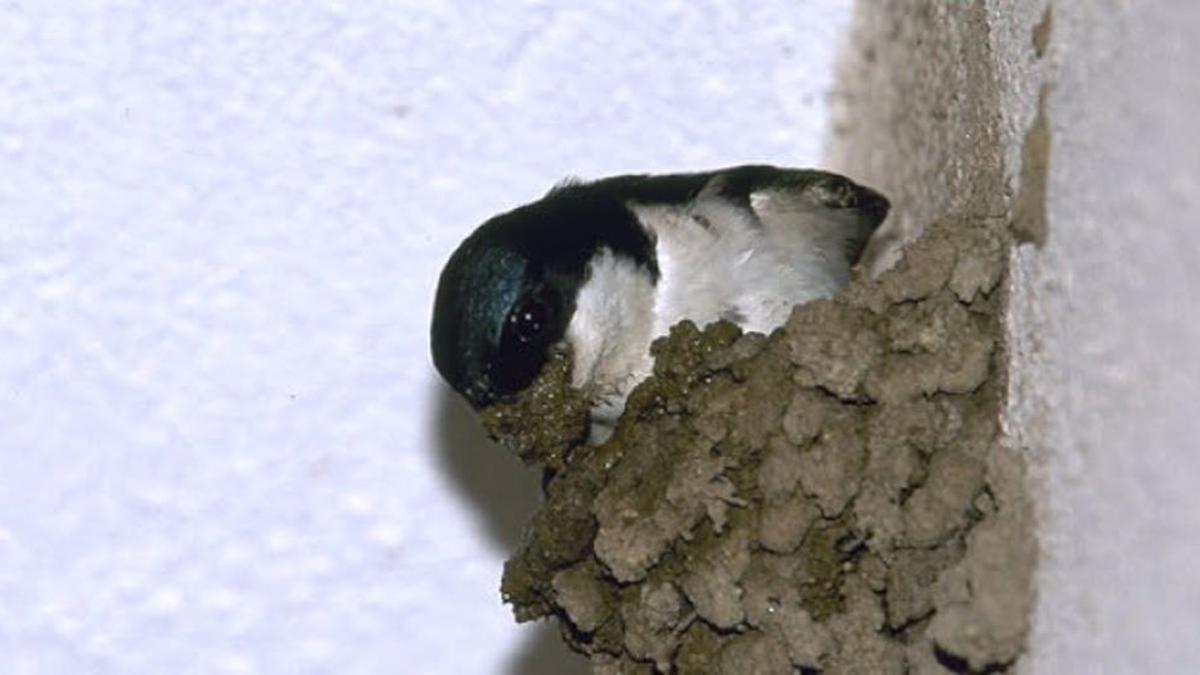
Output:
x=505 y=493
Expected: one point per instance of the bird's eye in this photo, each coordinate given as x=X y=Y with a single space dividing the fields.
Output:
x=528 y=329
x=528 y=321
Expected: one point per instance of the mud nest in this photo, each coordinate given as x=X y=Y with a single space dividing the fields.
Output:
x=834 y=497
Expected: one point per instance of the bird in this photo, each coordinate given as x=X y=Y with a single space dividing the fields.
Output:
x=605 y=267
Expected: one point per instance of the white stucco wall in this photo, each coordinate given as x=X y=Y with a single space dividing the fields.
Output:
x=222 y=447
x=1106 y=321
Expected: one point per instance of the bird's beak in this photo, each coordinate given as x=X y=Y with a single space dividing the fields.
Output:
x=479 y=393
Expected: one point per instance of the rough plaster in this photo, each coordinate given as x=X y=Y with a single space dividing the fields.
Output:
x=915 y=112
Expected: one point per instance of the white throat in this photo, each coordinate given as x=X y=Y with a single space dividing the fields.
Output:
x=611 y=331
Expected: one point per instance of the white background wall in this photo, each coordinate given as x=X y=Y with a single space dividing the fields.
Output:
x=1107 y=325
x=222 y=447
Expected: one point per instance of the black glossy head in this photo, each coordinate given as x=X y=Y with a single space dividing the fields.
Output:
x=507 y=294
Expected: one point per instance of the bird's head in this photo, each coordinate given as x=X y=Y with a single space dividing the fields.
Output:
x=508 y=292
x=495 y=319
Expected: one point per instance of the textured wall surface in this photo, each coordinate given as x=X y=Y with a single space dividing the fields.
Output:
x=1106 y=321
x=222 y=448
x=1104 y=318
